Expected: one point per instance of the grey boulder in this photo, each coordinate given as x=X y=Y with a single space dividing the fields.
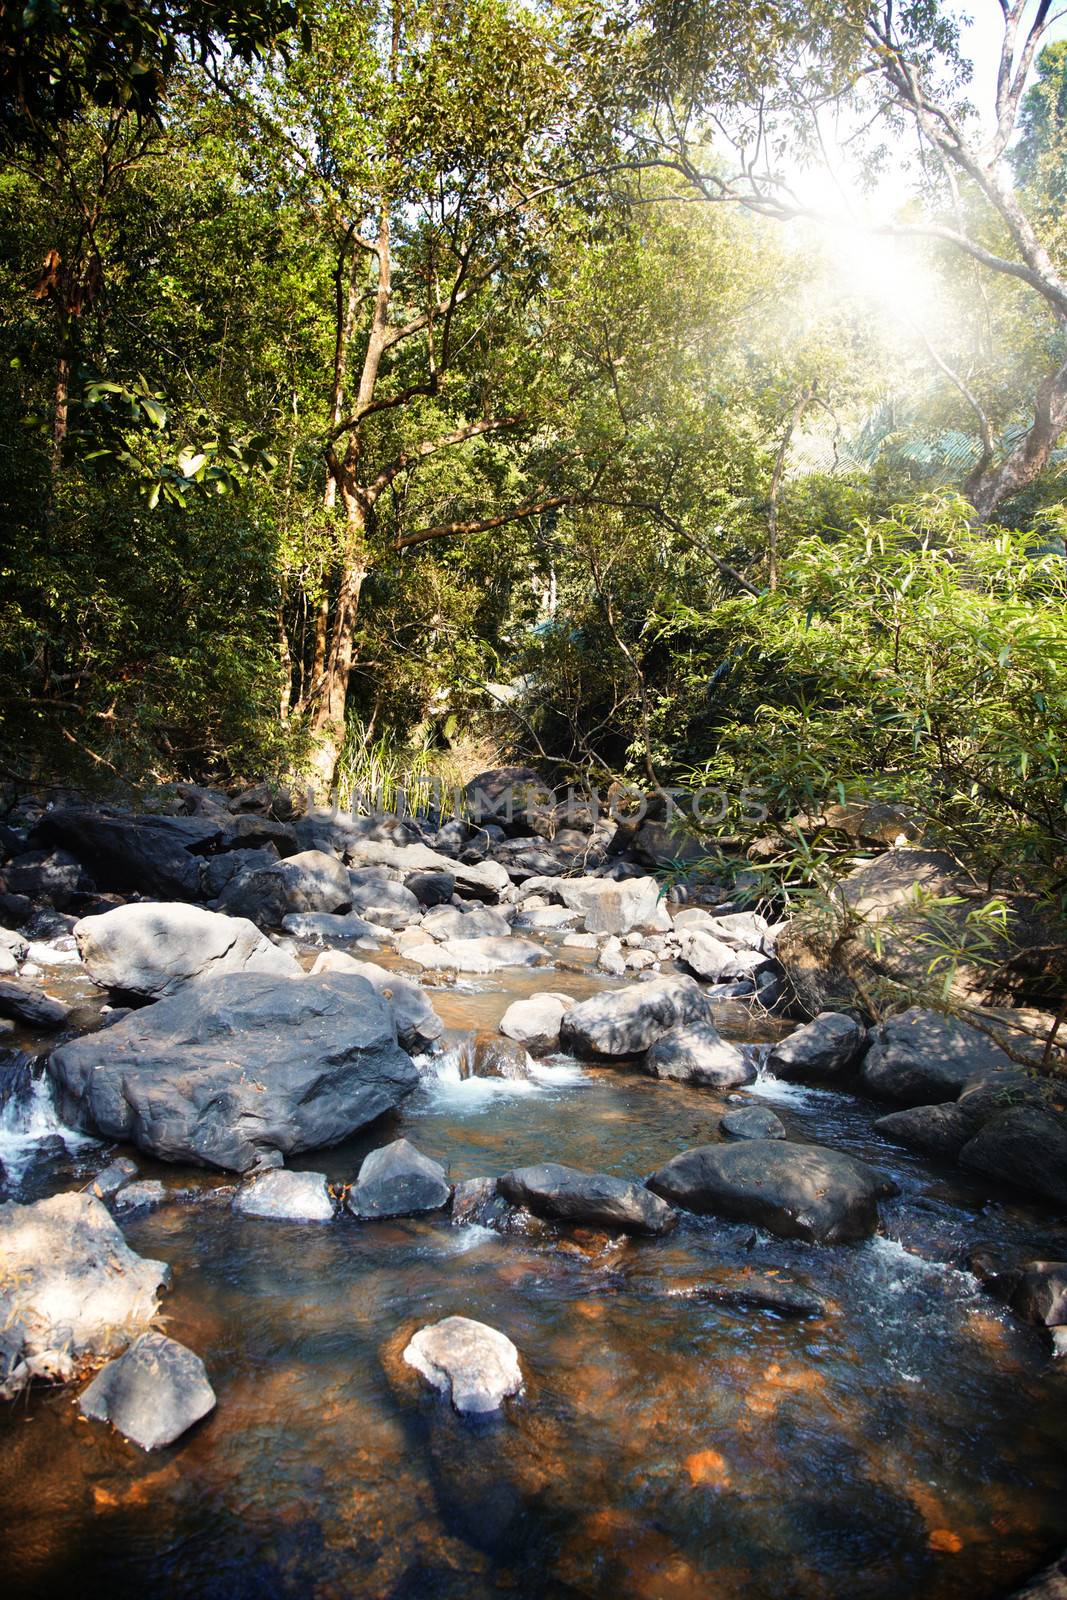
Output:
x=233 y=1071
x=24 y=1003
x=308 y=881
x=142 y=854
x=752 y=1122
x=475 y=1365
x=398 y=1181
x=151 y=949
x=923 y=1058
x=487 y=954
x=625 y=1022
x=594 y=1199
x=1023 y=1146
x=447 y=923
x=417 y=1024
x=932 y=1130
x=286 y=1197
x=696 y=1053
x=795 y=1191
x=607 y=906
x=152 y=1394
x=535 y=1022
x=329 y=927
x=824 y=1048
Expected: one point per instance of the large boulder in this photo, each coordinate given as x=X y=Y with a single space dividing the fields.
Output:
x=478 y=880
x=143 y=854
x=625 y=1022
x=447 y=922
x=707 y=956
x=923 y=1058
x=22 y=1002
x=234 y=1071
x=50 y=876
x=695 y=1052
x=610 y=906
x=387 y=904
x=332 y=927
x=826 y=1047
x=797 y=1191
x=878 y=929
x=535 y=1022
x=417 y=1024
x=217 y=871
x=152 y=1394
x=308 y=881
x=398 y=1181
x=1024 y=1146
x=151 y=949
x=940 y=1131
x=70 y=1285
x=594 y=1199
x=475 y=1365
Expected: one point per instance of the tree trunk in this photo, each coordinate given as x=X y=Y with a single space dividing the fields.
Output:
x=988 y=491
x=331 y=694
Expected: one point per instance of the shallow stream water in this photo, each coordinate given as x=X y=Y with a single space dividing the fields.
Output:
x=909 y=1443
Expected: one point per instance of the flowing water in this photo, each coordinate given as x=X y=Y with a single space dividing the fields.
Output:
x=909 y=1442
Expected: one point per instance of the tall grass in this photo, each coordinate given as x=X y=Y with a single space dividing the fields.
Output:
x=377 y=774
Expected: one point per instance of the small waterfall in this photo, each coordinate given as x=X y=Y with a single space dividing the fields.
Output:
x=28 y=1117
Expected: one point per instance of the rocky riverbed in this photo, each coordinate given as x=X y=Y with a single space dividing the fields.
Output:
x=396 y=1211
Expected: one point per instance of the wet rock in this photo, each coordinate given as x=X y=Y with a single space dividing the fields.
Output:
x=795 y=1191
x=151 y=949
x=286 y=1197
x=754 y=1291
x=308 y=881
x=144 y=854
x=70 y=1285
x=696 y=1053
x=626 y=1022
x=752 y=1122
x=1023 y=1146
x=923 y=1058
x=23 y=1003
x=933 y=1130
x=446 y=924
x=417 y=1024
x=595 y=1199
x=535 y=1021
x=233 y=1069
x=140 y=1196
x=484 y=1055
x=607 y=906
x=477 y=1201
x=823 y=1048
x=398 y=1181
x=475 y=1365
x=1040 y=1294
x=152 y=1394
x=475 y=955
x=327 y=927
x=432 y=888
x=112 y=1178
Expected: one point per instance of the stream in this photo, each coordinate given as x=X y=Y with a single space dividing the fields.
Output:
x=911 y=1442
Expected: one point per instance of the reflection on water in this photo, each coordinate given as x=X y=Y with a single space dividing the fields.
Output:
x=910 y=1442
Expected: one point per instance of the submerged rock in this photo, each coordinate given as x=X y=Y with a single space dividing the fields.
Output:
x=140 y=1196
x=696 y=1053
x=625 y=1022
x=475 y=1365
x=752 y=1122
x=152 y=1394
x=823 y=1048
x=234 y=1070
x=565 y=1194
x=286 y=1196
x=152 y=948
x=753 y=1291
x=798 y=1191
x=70 y=1284
x=398 y=1181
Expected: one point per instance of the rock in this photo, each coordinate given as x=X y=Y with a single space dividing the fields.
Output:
x=1024 y=1146
x=754 y=1291
x=475 y=955
x=607 y=906
x=398 y=1181
x=151 y=949
x=143 y=854
x=447 y=923
x=752 y=1122
x=152 y=1394
x=218 y=871
x=70 y=1283
x=307 y=881
x=546 y=917
x=484 y=1055
x=137 y=1196
x=824 y=1048
x=1040 y=1293
x=477 y=1202
x=923 y=1058
x=934 y=1130
x=483 y=880
x=417 y=1024
x=797 y=1191
x=388 y=905
x=286 y=1196
x=475 y=1365
x=611 y=959
x=508 y=796
x=696 y=1053
x=52 y=876
x=23 y=1003
x=707 y=956
x=625 y=1022
x=535 y=1021
x=252 y=832
x=270 y=801
x=111 y=1179
x=594 y=1199
x=326 y=927
x=432 y=888
x=580 y=941
x=232 y=1070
